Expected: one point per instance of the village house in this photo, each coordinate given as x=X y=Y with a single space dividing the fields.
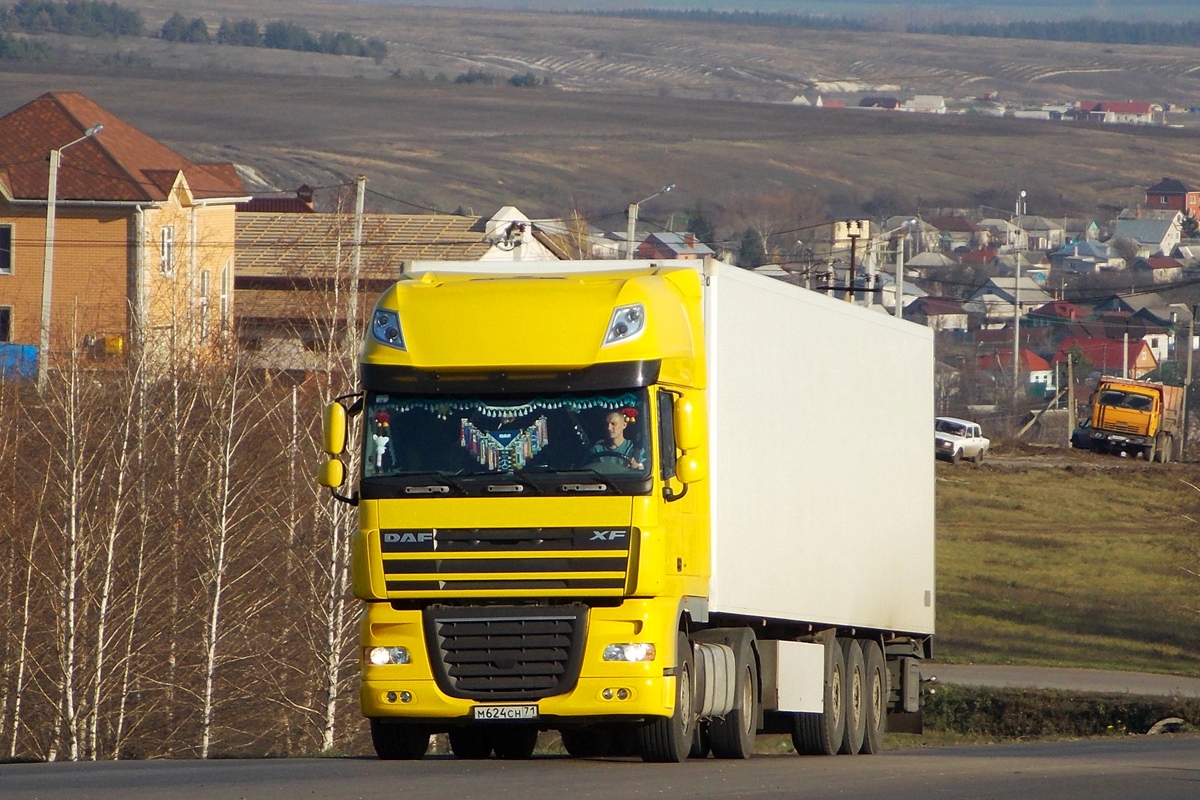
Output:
x=1036 y=373
x=1120 y=112
x=1170 y=194
x=940 y=314
x=956 y=232
x=143 y=252
x=1110 y=356
x=995 y=301
x=1151 y=236
x=297 y=272
x=1161 y=269
x=672 y=245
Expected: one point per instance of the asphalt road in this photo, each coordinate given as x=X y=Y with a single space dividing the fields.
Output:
x=1159 y=767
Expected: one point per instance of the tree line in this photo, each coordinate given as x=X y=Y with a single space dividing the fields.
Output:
x=92 y=18
x=176 y=583
x=276 y=35
x=1084 y=29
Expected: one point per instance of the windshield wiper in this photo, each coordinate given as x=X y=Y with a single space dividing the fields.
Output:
x=601 y=482
x=440 y=482
x=522 y=479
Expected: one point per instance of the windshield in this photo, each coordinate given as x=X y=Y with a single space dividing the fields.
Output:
x=1137 y=402
x=467 y=440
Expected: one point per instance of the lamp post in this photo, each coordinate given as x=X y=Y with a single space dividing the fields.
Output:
x=907 y=228
x=48 y=266
x=1017 y=303
x=633 y=215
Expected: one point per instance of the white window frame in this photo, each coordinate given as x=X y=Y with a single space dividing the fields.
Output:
x=167 y=251
x=6 y=263
x=225 y=306
x=203 y=304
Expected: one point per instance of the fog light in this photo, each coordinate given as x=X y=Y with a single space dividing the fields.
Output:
x=381 y=656
x=607 y=694
x=636 y=651
x=406 y=697
x=622 y=694
x=391 y=697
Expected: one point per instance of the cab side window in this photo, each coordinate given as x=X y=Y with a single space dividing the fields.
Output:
x=666 y=434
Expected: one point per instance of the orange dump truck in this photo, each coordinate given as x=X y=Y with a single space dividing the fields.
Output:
x=1137 y=417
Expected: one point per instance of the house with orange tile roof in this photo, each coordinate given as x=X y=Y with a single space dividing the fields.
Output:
x=143 y=246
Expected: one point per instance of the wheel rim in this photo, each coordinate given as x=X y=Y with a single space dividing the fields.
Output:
x=835 y=696
x=685 y=699
x=877 y=701
x=748 y=721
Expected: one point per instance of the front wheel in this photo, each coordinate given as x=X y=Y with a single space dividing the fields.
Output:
x=471 y=742
x=398 y=741
x=670 y=738
x=515 y=743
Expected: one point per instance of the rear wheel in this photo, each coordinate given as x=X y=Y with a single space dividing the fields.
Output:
x=514 y=743
x=875 y=682
x=398 y=741
x=855 y=694
x=733 y=735
x=670 y=738
x=472 y=742
x=957 y=457
x=979 y=456
x=821 y=733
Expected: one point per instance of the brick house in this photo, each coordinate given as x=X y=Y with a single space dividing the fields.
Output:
x=1173 y=195
x=144 y=237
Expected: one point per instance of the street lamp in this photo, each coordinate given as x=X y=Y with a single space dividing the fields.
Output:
x=633 y=215
x=48 y=266
x=907 y=228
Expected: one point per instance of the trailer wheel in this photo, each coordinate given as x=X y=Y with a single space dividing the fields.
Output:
x=471 y=742
x=875 y=681
x=855 y=694
x=590 y=742
x=670 y=738
x=734 y=735
x=820 y=734
x=398 y=741
x=514 y=743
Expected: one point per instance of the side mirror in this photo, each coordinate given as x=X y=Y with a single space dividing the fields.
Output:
x=690 y=469
x=332 y=474
x=333 y=432
x=689 y=430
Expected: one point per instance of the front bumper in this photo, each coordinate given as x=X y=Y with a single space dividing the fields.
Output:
x=604 y=689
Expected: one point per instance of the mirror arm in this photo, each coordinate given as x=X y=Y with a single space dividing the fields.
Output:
x=670 y=496
x=351 y=499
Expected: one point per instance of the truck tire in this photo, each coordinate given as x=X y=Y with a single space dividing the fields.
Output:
x=875 y=681
x=669 y=739
x=514 y=743
x=855 y=694
x=472 y=742
x=590 y=742
x=734 y=735
x=398 y=741
x=821 y=733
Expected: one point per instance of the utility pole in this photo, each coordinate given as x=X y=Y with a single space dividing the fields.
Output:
x=356 y=265
x=1187 y=384
x=853 y=232
x=1017 y=304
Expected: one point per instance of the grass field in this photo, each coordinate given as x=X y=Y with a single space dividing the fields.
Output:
x=1086 y=566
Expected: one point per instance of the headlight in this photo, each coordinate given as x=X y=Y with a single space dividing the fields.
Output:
x=385 y=328
x=635 y=651
x=626 y=323
x=381 y=656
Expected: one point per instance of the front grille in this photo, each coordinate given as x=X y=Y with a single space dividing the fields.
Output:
x=506 y=562
x=506 y=652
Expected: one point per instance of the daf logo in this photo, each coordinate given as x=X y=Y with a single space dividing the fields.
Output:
x=607 y=536
x=422 y=537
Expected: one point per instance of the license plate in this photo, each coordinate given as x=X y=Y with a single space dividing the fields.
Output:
x=502 y=713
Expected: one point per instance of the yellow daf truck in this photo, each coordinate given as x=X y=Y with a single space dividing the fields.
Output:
x=657 y=507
